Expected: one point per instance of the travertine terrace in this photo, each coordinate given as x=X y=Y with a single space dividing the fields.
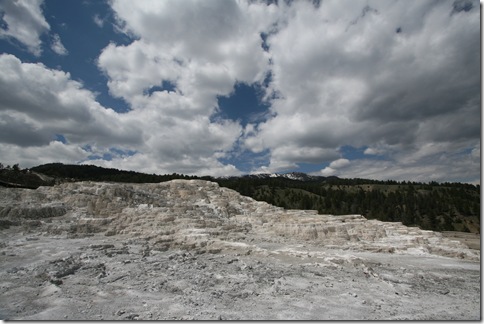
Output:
x=189 y=249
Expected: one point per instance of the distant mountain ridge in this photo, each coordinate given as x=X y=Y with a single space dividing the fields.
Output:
x=96 y=173
x=298 y=176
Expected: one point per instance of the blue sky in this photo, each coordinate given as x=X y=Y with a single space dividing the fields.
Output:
x=372 y=89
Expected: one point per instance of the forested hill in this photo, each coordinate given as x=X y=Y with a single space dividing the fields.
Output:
x=96 y=173
x=434 y=206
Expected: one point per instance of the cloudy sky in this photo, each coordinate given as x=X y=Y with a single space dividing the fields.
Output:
x=354 y=88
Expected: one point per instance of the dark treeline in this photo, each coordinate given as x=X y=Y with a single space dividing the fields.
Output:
x=433 y=206
x=15 y=177
x=95 y=173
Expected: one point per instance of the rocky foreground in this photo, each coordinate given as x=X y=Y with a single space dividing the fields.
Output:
x=193 y=250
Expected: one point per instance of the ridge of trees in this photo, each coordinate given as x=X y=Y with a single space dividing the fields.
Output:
x=96 y=173
x=15 y=177
x=432 y=206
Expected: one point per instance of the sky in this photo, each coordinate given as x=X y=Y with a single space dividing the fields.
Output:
x=375 y=89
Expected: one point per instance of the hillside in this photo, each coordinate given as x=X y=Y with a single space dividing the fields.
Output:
x=96 y=173
x=431 y=206
x=434 y=206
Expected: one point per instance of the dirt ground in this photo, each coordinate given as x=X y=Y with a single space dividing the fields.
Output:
x=100 y=278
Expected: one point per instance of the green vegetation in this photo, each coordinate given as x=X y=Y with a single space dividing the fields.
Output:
x=18 y=178
x=433 y=206
x=95 y=173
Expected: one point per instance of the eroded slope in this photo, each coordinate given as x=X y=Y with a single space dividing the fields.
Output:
x=200 y=214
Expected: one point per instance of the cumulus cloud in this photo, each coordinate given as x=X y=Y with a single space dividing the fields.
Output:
x=334 y=166
x=57 y=45
x=395 y=76
x=38 y=103
x=55 y=151
x=203 y=58
x=372 y=151
x=166 y=131
x=340 y=163
x=50 y=102
x=24 y=22
x=398 y=79
x=432 y=162
x=98 y=21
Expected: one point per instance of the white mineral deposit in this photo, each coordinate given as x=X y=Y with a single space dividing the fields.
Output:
x=189 y=249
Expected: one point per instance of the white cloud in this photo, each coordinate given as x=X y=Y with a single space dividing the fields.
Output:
x=218 y=45
x=381 y=149
x=340 y=163
x=25 y=22
x=54 y=151
x=51 y=102
x=398 y=77
x=38 y=103
x=328 y=171
x=98 y=21
x=371 y=151
x=57 y=45
x=395 y=76
x=334 y=167
x=433 y=162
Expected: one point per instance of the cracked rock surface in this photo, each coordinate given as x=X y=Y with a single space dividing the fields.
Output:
x=189 y=249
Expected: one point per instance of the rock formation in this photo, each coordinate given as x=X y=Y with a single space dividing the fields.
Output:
x=200 y=214
x=174 y=226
